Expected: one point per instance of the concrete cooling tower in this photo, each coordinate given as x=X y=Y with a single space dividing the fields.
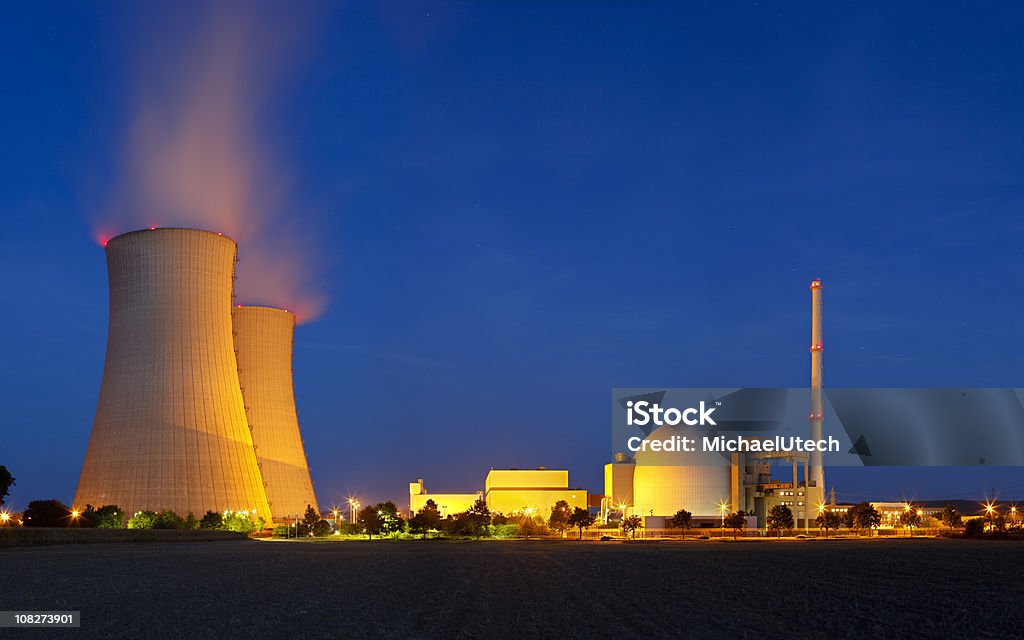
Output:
x=170 y=430
x=263 y=343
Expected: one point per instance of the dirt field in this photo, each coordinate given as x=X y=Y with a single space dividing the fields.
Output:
x=441 y=589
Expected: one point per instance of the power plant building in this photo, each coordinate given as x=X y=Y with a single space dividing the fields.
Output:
x=530 y=490
x=448 y=504
x=263 y=344
x=650 y=486
x=170 y=430
x=507 y=491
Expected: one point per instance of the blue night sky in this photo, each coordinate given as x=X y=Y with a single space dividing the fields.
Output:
x=512 y=207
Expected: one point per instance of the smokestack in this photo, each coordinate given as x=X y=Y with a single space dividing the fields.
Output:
x=817 y=412
x=170 y=430
x=263 y=343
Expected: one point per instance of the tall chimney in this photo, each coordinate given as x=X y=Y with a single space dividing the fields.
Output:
x=817 y=414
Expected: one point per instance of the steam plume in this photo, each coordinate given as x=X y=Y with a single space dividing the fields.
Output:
x=196 y=153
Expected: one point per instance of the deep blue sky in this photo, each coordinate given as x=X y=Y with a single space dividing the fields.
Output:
x=521 y=205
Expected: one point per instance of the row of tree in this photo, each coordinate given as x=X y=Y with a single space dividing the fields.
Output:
x=54 y=513
x=384 y=519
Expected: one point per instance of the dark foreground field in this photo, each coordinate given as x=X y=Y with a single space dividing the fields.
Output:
x=437 y=589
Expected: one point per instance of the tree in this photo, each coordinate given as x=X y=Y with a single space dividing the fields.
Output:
x=309 y=518
x=682 y=520
x=848 y=520
x=109 y=516
x=168 y=520
x=477 y=518
x=780 y=517
x=6 y=482
x=390 y=521
x=581 y=519
x=212 y=520
x=951 y=517
x=866 y=516
x=529 y=525
x=46 y=513
x=828 y=520
x=630 y=524
x=559 y=520
x=369 y=520
x=426 y=519
x=974 y=527
x=910 y=518
x=737 y=521
x=321 y=529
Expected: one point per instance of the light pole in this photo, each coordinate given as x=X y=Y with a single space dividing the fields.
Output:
x=723 y=507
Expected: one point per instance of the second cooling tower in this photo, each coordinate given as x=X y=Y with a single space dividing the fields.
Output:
x=263 y=345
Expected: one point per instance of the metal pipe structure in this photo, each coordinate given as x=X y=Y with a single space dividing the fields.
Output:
x=817 y=478
x=170 y=431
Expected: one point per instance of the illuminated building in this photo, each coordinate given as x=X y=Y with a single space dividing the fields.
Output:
x=447 y=503
x=530 y=490
x=507 y=491
x=651 y=486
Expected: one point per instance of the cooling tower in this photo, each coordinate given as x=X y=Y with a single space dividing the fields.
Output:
x=263 y=344
x=170 y=430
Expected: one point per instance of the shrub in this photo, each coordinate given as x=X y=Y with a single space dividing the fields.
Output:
x=240 y=521
x=142 y=520
x=46 y=513
x=974 y=527
x=168 y=520
x=110 y=516
x=532 y=526
x=212 y=520
x=322 y=529
x=504 y=530
x=281 y=531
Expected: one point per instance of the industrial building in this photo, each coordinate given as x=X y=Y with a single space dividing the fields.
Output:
x=508 y=491
x=171 y=430
x=447 y=503
x=650 y=486
x=263 y=346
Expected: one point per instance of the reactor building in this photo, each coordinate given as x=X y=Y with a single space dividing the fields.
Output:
x=649 y=485
x=263 y=345
x=171 y=430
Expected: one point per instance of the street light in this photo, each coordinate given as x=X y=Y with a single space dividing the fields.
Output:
x=723 y=507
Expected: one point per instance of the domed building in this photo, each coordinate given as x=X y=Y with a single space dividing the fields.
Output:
x=666 y=481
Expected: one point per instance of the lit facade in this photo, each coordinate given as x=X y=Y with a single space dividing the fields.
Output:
x=530 y=491
x=447 y=503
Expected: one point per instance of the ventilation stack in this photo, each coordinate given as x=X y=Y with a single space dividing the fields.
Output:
x=263 y=343
x=817 y=471
x=170 y=430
